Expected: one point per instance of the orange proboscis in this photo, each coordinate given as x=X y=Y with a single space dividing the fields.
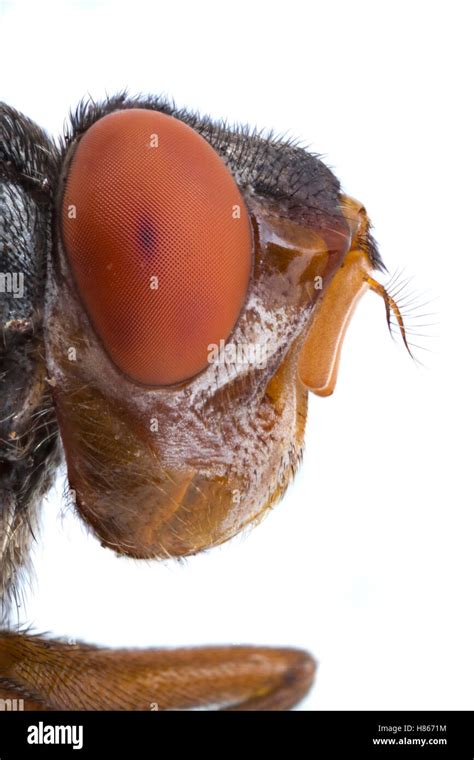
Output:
x=320 y=355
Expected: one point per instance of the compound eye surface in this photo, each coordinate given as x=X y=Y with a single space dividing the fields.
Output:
x=158 y=239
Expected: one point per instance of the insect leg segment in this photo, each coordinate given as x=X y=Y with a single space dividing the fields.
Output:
x=61 y=676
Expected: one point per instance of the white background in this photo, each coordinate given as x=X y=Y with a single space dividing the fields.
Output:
x=368 y=561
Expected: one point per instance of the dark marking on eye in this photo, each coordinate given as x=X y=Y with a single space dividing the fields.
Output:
x=146 y=235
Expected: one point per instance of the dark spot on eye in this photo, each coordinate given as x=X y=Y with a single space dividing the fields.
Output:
x=146 y=235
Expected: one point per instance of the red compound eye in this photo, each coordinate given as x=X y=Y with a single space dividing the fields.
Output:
x=158 y=238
